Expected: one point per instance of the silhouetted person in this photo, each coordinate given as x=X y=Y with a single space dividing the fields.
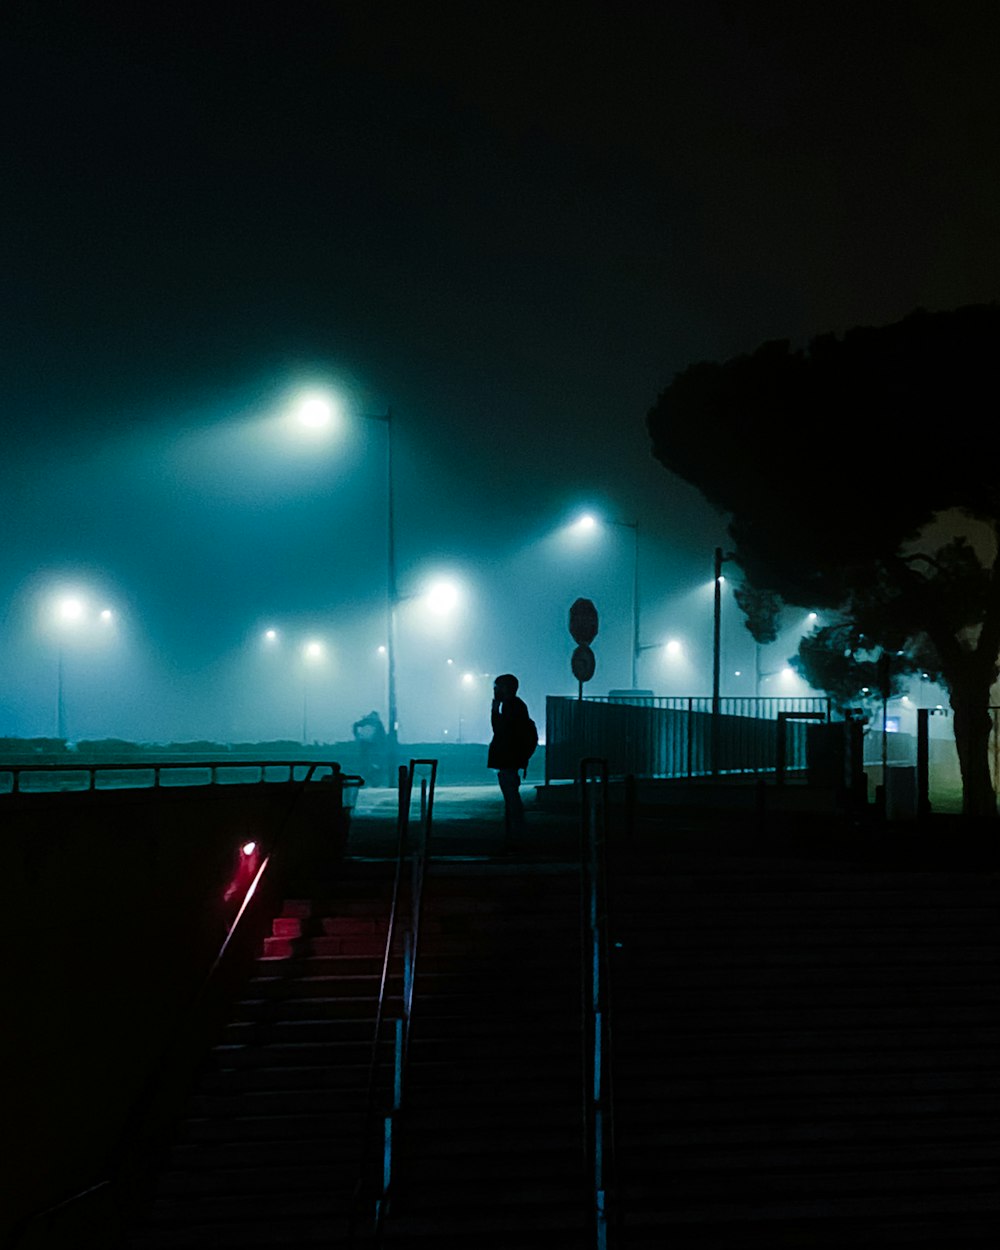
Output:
x=369 y=734
x=510 y=748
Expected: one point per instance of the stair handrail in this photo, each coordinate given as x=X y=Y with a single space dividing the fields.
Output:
x=387 y=1122
x=598 y=1089
x=140 y=1106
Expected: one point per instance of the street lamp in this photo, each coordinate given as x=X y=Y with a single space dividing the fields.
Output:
x=313 y=652
x=314 y=411
x=391 y=595
x=468 y=683
x=720 y=560
x=71 y=613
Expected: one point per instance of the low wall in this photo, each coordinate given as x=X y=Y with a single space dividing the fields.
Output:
x=116 y=903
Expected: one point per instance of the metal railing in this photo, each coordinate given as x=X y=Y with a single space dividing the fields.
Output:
x=598 y=1091
x=675 y=738
x=380 y=1124
x=126 y=776
x=124 y=1157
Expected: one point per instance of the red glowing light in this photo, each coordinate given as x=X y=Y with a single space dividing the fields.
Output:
x=248 y=848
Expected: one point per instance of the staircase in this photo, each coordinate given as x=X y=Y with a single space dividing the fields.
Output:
x=806 y=1053
x=491 y=1150
x=490 y=1147
x=268 y=1150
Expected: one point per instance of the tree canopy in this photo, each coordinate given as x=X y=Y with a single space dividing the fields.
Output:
x=856 y=479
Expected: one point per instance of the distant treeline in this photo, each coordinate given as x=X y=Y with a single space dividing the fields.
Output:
x=120 y=748
x=275 y=749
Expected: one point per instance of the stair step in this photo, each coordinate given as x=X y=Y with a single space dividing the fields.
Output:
x=351 y=1086
x=246 y=1231
x=224 y=1104
x=324 y=977
x=278 y=1127
x=647 y=1156
x=355 y=1015
x=293 y=1054
x=899 y=982
x=863 y=1108
x=649 y=1037
x=752 y=943
x=665 y=1134
x=268 y=1177
x=209 y=1159
x=267 y=1207
x=823 y=1208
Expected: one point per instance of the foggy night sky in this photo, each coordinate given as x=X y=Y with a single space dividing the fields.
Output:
x=512 y=223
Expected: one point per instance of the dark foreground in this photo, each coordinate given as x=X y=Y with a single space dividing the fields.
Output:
x=805 y=1023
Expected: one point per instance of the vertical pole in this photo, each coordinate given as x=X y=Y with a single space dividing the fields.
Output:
x=392 y=599
x=923 y=762
x=716 y=648
x=716 y=631
x=635 y=607
x=60 y=702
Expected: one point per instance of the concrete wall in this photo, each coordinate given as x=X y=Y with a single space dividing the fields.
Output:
x=115 y=905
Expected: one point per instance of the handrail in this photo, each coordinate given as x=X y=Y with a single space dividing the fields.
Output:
x=387 y=1121
x=157 y=767
x=598 y=1091
x=141 y=1104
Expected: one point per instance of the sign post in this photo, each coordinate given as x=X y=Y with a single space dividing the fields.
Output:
x=583 y=627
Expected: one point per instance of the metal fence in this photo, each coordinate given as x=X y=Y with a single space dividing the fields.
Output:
x=678 y=737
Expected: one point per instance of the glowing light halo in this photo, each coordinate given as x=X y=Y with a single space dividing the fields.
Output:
x=441 y=597
x=314 y=411
x=70 y=609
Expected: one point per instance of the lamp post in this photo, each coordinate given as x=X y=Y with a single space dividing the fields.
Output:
x=716 y=630
x=634 y=527
x=635 y=647
x=71 y=613
x=312 y=653
x=315 y=411
x=392 y=596
x=720 y=559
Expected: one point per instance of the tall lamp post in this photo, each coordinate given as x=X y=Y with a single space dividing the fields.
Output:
x=720 y=559
x=635 y=606
x=634 y=527
x=315 y=411
x=72 y=613
x=312 y=653
x=392 y=595
x=716 y=631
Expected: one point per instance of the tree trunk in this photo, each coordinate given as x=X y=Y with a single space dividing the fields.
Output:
x=970 y=701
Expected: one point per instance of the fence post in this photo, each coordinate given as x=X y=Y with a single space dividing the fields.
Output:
x=781 y=749
x=923 y=762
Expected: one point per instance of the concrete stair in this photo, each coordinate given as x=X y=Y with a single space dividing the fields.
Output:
x=805 y=1052
x=805 y=1055
x=268 y=1150
x=491 y=1143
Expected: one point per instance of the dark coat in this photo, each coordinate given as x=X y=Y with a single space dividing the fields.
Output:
x=507 y=746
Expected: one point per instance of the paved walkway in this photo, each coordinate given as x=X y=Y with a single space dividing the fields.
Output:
x=467 y=821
